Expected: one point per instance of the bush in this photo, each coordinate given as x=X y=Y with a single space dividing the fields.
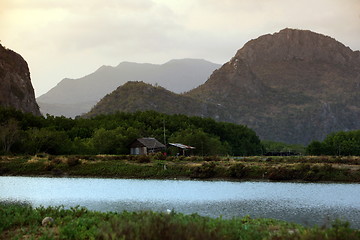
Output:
x=72 y=161
x=238 y=170
x=281 y=173
x=158 y=156
x=212 y=158
x=143 y=159
x=206 y=170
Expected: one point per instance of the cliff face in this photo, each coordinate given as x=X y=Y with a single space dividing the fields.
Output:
x=292 y=86
x=15 y=84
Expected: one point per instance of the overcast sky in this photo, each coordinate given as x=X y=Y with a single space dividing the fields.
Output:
x=72 y=38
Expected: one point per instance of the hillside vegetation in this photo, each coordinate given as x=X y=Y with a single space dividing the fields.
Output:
x=112 y=134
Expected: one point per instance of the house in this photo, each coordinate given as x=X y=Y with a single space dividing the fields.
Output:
x=181 y=146
x=144 y=146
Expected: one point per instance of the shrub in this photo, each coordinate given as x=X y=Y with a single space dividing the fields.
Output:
x=206 y=170
x=143 y=159
x=158 y=156
x=49 y=166
x=212 y=158
x=56 y=160
x=238 y=170
x=57 y=172
x=157 y=226
x=194 y=159
x=281 y=173
x=72 y=161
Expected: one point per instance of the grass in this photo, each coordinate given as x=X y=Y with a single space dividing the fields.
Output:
x=295 y=168
x=19 y=221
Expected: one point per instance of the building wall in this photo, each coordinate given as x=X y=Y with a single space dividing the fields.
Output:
x=138 y=151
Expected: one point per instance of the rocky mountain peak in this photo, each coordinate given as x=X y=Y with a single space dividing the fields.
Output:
x=296 y=45
x=292 y=86
x=16 y=89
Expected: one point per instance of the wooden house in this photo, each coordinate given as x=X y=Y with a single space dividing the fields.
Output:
x=144 y=146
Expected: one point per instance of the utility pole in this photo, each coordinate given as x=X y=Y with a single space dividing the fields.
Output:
x=164 y=132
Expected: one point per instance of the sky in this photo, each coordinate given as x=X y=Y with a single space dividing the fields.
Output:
x=73 y=38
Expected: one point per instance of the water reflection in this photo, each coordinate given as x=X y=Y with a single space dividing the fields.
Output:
x=304 y=203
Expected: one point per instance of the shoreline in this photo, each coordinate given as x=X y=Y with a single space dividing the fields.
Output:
x=24 y=222
x=274 y=169
x=187 y=179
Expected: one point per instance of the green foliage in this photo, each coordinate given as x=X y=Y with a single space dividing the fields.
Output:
x=238 y=170
x=271 y=146
x=206 y=170
x=19 y=221
x=112 y=134
x=204 y=143
x=9 y=133
x=340 y=143
x=46 y=140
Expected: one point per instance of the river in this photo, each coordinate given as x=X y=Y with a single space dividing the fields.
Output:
x=305 y=203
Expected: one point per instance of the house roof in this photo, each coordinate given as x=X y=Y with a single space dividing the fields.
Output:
x=149 y=143
x=182 y=146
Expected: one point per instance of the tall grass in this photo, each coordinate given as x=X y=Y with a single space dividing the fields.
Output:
x=311 y=169
x=19 y=221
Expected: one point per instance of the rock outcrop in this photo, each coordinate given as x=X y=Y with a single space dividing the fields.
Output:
x=16 y=89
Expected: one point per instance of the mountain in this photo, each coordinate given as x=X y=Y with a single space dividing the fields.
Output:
x=140 y=96
x=292 y=86
x=16 y=89
x=72 y=97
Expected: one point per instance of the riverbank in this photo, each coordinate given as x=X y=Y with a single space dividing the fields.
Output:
x=24 y=222
x=294 y=168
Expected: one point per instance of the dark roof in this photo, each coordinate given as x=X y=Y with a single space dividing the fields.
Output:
x=147 y=142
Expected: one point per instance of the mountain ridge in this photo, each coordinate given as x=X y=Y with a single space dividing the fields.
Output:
x=180 y=74
x=292 y=86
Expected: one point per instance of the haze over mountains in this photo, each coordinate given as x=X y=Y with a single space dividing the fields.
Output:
x=293 y=86
x=72 y=97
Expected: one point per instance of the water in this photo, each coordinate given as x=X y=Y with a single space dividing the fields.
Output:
x=305 y=203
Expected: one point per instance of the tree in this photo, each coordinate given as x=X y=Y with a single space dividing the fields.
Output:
x=339 y=143
x=204 y=143
x=47 y=140
x=315 y=148
x=114 y=141
x=9 y=133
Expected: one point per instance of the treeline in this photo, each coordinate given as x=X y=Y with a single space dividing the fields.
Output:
x=22 y=133
x=339 y=143
x=280 y=147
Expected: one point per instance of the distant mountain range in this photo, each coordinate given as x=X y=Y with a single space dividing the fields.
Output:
x=72 y=97
x=293 y=86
